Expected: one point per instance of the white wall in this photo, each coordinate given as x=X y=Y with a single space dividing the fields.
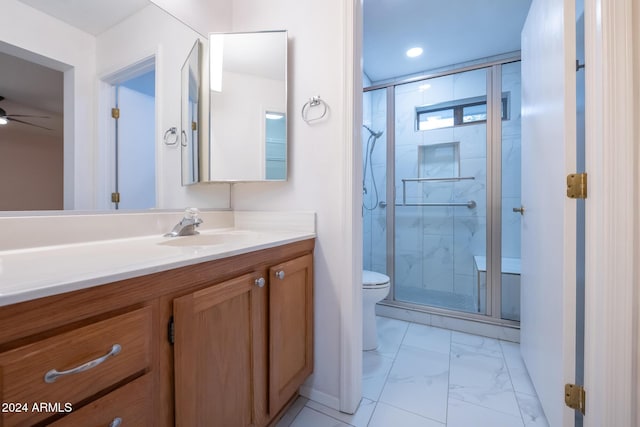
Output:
x=237 y=119
x=150 y=32
x=318 y=177
x=205 y=16
x=65 y=48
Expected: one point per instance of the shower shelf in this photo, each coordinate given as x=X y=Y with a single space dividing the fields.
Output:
x=470 y=204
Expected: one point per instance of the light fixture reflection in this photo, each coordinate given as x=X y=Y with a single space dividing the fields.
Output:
x=414 y=51
x=274 y=116
x=3 y=121
x=216 y=49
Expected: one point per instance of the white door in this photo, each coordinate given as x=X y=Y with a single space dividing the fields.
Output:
x=548 y=296
x=136 y=162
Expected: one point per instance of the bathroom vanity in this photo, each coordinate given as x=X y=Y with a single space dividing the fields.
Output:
x=222 y=337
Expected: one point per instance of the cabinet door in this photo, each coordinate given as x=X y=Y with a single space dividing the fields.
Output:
x=290 y=328
x=217 y=350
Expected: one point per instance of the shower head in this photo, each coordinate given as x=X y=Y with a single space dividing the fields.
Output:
x=374 y=134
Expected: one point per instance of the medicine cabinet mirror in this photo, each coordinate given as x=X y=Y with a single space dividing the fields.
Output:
x=247 y=138
x=190 y=116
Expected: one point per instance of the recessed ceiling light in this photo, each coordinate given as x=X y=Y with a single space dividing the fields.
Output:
x=414 y=51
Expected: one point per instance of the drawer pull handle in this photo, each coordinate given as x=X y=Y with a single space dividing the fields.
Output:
x=116 y=422
x=53 y=374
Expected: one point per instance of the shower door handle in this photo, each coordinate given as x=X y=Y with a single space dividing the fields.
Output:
x=520 y=209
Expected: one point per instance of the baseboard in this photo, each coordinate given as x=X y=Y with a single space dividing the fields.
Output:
x=320 y=397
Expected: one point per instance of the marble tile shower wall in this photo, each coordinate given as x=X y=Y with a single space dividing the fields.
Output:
x=434 y=246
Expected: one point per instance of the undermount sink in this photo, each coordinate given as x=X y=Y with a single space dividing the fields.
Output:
x=213 y=239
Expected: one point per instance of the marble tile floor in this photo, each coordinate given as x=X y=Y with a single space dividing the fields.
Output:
x=422 y=376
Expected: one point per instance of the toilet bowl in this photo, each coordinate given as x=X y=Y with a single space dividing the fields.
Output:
x=375 y=287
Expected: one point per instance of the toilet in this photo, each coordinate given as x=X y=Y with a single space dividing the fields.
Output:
x=375 y=287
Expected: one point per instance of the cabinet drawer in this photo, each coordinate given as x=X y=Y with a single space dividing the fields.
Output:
x=23 y=369
x=131 y=405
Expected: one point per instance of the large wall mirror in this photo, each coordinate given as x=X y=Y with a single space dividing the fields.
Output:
x=66 y=65
x=248 y=108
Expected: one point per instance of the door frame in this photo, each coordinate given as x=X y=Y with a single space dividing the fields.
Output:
x=612 y=368
x=106 y=139
x=612 y=44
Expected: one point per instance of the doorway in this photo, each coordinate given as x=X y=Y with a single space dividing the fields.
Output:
x=131 y=175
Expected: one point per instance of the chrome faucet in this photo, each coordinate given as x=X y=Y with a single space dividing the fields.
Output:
x=187 y=225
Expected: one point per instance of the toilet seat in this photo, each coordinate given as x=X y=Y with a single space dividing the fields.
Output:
x=373 y=280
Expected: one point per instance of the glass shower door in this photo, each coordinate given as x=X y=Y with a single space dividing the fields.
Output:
x=511 y=204
x=374 y=187
x=441 y=191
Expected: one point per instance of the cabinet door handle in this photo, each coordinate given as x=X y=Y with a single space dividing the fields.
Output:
x=116 y=422
x=53 y=374
x=280 y=274
x=260 y=282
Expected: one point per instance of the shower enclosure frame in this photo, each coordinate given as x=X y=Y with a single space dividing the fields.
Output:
x=492 y=313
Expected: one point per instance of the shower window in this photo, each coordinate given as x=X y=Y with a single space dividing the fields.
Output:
x=457 y=113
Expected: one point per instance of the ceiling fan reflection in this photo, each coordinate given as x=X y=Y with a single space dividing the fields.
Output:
x=6 y=118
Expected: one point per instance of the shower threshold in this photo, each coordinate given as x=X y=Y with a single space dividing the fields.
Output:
x=473 y=323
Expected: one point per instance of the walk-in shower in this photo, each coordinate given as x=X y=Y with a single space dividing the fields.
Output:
x=440 y=188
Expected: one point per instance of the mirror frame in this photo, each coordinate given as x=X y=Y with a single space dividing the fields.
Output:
x=190 y=148
x=207 y=173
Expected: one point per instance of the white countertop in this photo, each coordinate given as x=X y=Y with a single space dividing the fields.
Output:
x=38 y=272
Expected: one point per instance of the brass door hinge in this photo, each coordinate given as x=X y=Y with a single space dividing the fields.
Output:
x=575 y=397
x=115 y=197
x=577 y=186
x=194 y=126
x=115 y=113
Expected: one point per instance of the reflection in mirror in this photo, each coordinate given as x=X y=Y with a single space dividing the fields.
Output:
x=190 y=113
x=31 y=139
x=248 y=105
x=133 y=132
x=88 y=43
x=275 y=141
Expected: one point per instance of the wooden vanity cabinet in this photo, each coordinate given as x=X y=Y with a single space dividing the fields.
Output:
x=51 y=376
x=210 y=344
x=290 y=328
x=244 y=346
x=219 y=343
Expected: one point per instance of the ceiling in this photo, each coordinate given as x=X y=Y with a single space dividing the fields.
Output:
x=30 y=84
x=450 y=32
x=90 y=16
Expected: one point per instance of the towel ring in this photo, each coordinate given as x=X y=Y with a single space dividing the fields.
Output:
x=173 y=131
x=313 y=102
